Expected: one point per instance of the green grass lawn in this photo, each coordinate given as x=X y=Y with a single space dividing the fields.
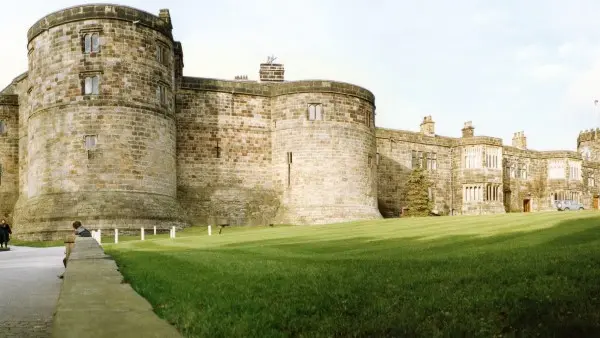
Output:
x=513 y=275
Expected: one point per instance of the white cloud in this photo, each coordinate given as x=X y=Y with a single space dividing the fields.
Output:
x=550 y=72
x=585 y=87
x=530 y=53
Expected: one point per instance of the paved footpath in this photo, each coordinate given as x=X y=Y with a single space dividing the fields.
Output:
x=29 y=289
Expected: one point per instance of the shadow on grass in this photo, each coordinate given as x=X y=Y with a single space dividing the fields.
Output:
x=526 y=284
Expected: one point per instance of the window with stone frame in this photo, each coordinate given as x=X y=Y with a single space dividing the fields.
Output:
x=161 y=93
x=162 y=53
x=2 y=128
x=91 y=85
x=491 y=157
x=370 y=161
x=523 y=171
x=315 y=111
x=472 y=193
x=556 y=169
x=574 y=170
x=472 y=157
x=431 y=161
x=368 y=119
x=492 y=192
x=90 y=142
x=91 y=43
x=591 y=180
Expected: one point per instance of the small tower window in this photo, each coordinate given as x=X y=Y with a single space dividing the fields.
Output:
x=2 y=128
x=161 y=54
x=92 y=85
x=90 y=142
x=315 y=111
x=91 y=43
x=161 y=94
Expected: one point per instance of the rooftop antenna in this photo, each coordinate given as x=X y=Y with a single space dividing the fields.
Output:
x=271 y=59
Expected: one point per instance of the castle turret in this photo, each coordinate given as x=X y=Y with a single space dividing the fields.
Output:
x=519 y=140
x=101 y=134
x=428 y=126
x=468 y=130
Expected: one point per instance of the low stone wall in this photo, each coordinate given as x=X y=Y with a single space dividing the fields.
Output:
x=94 y=302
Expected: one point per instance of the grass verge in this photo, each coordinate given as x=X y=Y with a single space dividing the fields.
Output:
x=520 y=275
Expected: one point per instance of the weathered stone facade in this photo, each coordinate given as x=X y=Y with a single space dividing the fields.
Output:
x=479 y=175
x=104 y=128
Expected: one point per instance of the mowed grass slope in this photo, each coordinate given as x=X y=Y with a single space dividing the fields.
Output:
x=522 y=275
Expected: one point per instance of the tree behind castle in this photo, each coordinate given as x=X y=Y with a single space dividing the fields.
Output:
x=418 y=194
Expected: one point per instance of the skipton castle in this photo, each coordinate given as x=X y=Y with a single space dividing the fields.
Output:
x=104 y=128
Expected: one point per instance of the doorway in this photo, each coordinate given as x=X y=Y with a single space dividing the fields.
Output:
x=526 y=205
x=596 y=202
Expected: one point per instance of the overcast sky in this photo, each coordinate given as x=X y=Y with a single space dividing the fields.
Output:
x=506 y=65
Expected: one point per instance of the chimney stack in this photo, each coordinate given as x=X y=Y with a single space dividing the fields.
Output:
x=519 y=140
x=166 y=17
x=271 y=72
x=468 y=130
x=428 y=126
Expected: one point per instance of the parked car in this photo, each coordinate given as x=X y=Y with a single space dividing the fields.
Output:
x=566 y=205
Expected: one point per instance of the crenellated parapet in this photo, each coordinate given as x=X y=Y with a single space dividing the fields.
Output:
x=588 y=135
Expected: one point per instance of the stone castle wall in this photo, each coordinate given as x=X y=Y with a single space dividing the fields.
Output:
x=332 y=174
x=256 y=125
x=223 y=151
x=9 y=154
x=174 y=150
x=395 y=149
x=128 y=177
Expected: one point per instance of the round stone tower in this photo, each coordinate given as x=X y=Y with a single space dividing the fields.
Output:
x=100 y=129
x=588 y=145
x=324 y=152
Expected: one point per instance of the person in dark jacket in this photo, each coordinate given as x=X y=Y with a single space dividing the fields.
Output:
x=80 y=230
x=5 y=233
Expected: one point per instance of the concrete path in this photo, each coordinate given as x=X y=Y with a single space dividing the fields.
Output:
x=29 y=289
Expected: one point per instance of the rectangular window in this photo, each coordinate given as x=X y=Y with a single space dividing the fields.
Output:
x=91 y=43
x=2 y=127
x=430 y=194
x=490 y=157
x=315 y=111
x=91 y=85
x=370 y=161
x=591 y=181
x=90 y=142
x=161 y=94
x=556 y=169
x=574 y=170
x=473 y=157
x=162 y=54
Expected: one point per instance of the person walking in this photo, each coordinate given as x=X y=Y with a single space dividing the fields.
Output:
x=5 y=233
